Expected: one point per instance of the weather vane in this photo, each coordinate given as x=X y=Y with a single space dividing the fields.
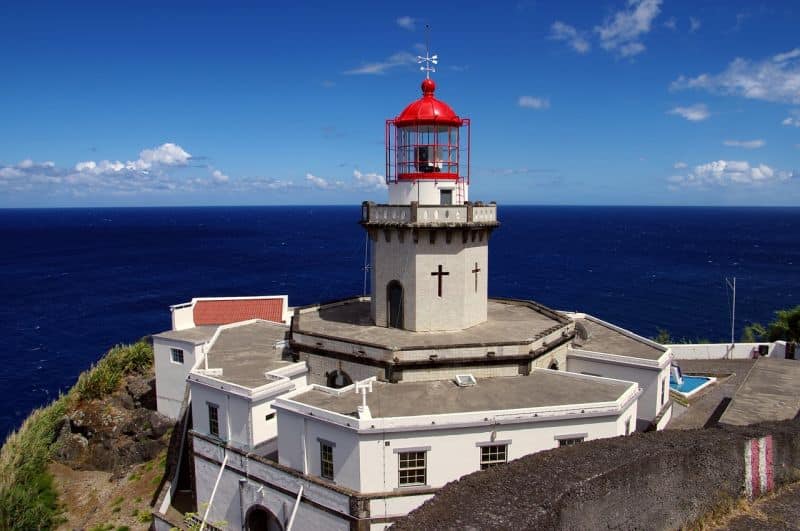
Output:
x=429 y=61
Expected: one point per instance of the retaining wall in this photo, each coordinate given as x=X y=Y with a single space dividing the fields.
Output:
x=655 y=480
x=725 y=351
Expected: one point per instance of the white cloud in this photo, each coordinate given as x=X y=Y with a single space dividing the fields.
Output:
x=369 y=180
x=694 y=24
x=168 y=154
x=219 y=177
x=323 y=184
x=694 y=113
x=379 y=68
x=621 y=32
x=775 y=79
x=793 y=118
x=746 y=144
x=560 y=31
x=680 y=165
x=162 y=168
x=729 y=173
x=406 y=23
x=671 y=23
x=533 y=102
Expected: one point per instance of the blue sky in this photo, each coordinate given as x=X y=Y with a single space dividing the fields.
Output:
x=639 y=102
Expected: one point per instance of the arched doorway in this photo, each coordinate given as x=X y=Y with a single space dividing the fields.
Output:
x=553 y=365
x=338 y=379
x=261 y=519
x=394 y=303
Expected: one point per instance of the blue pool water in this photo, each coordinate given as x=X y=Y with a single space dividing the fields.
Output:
x=690 y=383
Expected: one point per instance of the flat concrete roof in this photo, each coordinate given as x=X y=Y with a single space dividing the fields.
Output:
x=610 y=341
x=245 y=353
x=541 y=388
x=507 y=322
x=196 y=335
x=770 y=392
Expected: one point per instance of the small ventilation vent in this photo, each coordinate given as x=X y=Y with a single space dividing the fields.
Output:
x=465 y=380
x=582 y=331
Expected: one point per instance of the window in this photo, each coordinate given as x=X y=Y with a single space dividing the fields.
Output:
x=628 y=426
x=570 y=441
x=269 y=416
x=326 y=460
x=412 y=468
x=663 y=389
x=493 y=455
x=446 y=197
x=213 y=419
x=177 y=355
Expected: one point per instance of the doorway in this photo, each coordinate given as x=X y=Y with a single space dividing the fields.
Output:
x=394 y=302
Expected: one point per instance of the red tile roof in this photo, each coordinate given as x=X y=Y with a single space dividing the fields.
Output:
x=224 y=311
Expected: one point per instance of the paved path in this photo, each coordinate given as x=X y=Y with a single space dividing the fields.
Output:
x=772 y=514
x=707 y=409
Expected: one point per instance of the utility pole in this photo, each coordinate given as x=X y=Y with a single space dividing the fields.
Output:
x=732 y=285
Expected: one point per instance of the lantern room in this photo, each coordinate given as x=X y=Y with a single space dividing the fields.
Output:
x=427 y=152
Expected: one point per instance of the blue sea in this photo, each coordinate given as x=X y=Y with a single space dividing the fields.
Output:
x=76 y=281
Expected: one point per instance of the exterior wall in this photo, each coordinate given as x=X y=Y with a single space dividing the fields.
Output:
x=448 y=373
x=557 y=355
x=410 y=263
x=265 y=486
x=453 y=452
x=650 y=381
x=182 y=316
x=320 y=366
x=299 y=448
x=248 y=424
x=171 y=376
x=424 y=192
x=368 y=463
x=719 y=351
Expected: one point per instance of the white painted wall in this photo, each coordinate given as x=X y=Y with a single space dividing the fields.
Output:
x=719 y=351
x=366 y=463
x=650 y=381
x=171 y=376
x=461 y=304
x=242 y=420
x=425 y=192
x=182 y=316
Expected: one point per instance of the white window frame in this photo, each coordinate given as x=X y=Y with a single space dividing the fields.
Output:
x=173 y=351
x=570 y=439
x=403 y=453
x=324 y=462
x=212 y=421
x=490 y=454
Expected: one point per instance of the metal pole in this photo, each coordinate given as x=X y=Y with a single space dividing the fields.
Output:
x=733 y=311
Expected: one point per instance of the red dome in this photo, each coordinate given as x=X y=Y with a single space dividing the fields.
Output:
x=428 y=110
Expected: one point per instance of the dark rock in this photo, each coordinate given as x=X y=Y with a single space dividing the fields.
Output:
x=71 y=446
x=123 y=400
x=159 y=424
x=142 y=391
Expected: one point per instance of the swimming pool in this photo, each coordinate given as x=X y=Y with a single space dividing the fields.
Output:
x=690 y=385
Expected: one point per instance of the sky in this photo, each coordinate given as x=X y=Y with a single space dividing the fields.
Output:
x=609 y=102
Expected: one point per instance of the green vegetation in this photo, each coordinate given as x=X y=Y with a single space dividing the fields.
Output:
x=785 y=327
x=663 y=337
x=28 y=499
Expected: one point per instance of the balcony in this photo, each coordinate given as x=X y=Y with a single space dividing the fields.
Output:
x=419 y=216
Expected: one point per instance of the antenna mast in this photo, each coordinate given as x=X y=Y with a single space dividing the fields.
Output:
x=430 y=61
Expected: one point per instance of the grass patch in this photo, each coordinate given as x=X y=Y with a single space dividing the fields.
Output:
x=28 y=498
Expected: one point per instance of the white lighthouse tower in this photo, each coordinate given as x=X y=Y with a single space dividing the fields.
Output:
x=429 y=243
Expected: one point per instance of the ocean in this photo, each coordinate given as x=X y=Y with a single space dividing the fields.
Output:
x=74 y=282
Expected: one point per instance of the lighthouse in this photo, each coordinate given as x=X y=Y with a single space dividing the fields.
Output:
x=429 y=252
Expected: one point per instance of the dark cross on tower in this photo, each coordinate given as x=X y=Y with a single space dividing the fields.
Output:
x=440 y=274
x=476 y=271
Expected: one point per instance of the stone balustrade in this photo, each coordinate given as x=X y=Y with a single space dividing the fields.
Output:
x=429 y=215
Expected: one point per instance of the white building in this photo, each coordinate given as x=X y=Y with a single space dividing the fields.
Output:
x=451 y=381
x=194 y=328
